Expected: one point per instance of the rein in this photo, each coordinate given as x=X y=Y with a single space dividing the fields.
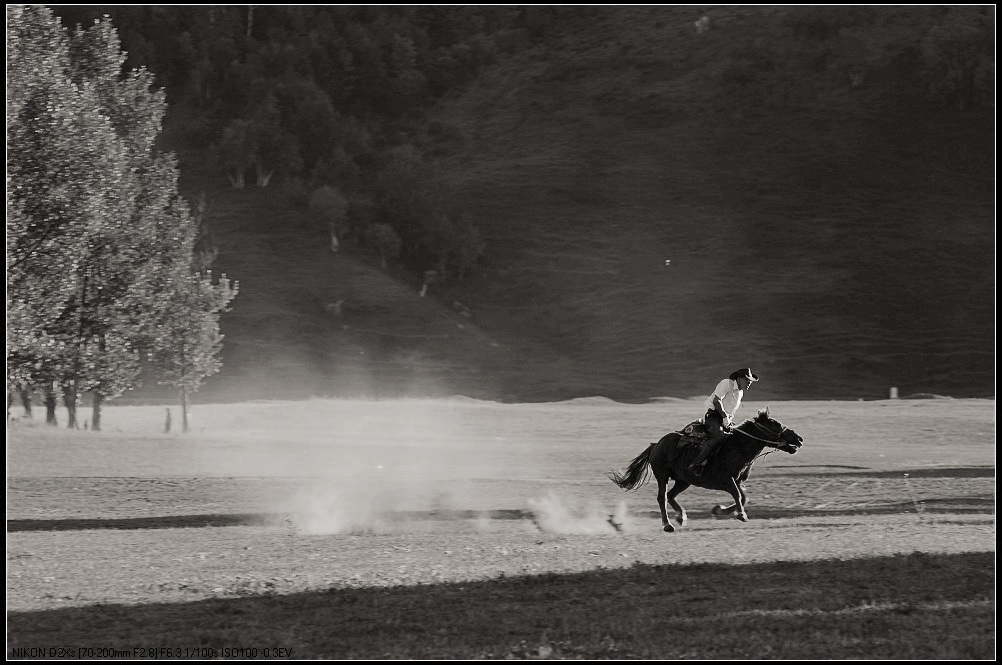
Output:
x=765 y=441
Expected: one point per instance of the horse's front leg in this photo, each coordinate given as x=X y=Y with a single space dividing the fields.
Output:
x=675 y=490
x=665 y=524
x=735 y=490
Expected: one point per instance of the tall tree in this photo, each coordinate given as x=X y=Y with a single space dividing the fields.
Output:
x=65 y=169
x=122 y=243
x=186 y=339
x=98 y=237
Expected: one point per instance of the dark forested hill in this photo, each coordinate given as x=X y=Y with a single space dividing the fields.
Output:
x=820 y=179
x=835 y=233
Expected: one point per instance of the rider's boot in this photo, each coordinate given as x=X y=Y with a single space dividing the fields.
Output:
x=696 y=467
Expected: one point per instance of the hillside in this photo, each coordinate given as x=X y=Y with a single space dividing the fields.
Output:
x=837 y=238
x=311 y=322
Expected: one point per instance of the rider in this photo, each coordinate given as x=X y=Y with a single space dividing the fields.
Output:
x=720 y=407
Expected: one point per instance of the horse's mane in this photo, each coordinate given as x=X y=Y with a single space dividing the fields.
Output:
x=762 y=417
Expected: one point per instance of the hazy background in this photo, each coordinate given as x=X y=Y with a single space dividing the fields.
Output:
x=820 y=178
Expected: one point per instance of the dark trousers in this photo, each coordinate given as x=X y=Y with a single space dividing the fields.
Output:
x=715 y=426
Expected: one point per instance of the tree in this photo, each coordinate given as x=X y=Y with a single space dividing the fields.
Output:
x=236 y=151
x=112 y=367
x=186 y=338
x=469 y=246
x=66 y=178
x=328 y=207
x=124 y=242
x=386 y=241
x=175 y=311
x=272 y=148
x=96 y=230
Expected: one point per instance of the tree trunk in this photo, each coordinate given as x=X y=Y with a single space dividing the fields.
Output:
x=70 y=387
x=70 y=400
x=95 y=421
x=25 y=392
x=263 y=175
x=50 y=404
x=184 y=410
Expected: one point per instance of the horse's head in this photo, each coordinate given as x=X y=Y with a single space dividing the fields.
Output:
x=781 y=438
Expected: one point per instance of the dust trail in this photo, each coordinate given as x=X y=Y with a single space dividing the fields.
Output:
x=552 y=515
x=354 y=508
x=339 y=511
x=366 y=466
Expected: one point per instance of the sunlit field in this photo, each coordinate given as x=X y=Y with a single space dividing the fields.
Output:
x=260 y=524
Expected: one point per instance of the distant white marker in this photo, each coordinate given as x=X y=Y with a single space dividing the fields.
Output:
x=667 y=262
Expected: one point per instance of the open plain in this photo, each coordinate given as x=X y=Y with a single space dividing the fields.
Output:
x=457 y=528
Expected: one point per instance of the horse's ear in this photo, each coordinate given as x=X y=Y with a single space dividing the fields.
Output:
x=764 y=413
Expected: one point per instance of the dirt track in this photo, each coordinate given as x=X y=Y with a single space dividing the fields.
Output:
x=174 y=539
x=533 y=507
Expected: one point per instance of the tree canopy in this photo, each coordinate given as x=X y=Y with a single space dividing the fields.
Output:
x=97 y=232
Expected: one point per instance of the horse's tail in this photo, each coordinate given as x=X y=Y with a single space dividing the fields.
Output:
x=637 y=473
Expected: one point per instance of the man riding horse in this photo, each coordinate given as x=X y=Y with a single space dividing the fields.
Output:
x=721 y=405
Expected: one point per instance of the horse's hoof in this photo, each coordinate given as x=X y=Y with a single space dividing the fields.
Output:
x=742 y=517
x=716 y=511
x=668 y=528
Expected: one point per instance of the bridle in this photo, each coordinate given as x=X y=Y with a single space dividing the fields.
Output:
x=768 y=431
x=773 y=448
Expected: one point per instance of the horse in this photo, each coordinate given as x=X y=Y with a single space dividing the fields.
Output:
x=726 y=470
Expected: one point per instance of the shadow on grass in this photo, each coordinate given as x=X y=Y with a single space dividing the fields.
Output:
x=240 y=519
x=159 y=522
x=916 y=606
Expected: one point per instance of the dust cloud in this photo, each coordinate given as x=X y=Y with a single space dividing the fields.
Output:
x=552 y=514
x=339 y=511
x=387 y=466
x=363 y=466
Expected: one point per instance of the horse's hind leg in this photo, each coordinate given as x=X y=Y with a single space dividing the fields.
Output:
x=675 y=490
x=721 y=510
x=665 y=524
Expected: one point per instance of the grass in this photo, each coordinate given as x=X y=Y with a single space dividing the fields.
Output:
x=479 y=530
x=868 y=608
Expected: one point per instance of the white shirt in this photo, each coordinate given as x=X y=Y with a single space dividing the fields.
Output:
x=730 y=398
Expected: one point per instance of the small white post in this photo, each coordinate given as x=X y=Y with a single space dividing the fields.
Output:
x=894 y=392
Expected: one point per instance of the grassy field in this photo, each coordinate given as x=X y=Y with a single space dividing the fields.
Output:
x=458 y=528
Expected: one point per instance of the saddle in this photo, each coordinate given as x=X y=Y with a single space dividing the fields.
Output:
x=693 y=433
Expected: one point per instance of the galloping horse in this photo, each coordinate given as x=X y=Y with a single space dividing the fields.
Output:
x=727 y=470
